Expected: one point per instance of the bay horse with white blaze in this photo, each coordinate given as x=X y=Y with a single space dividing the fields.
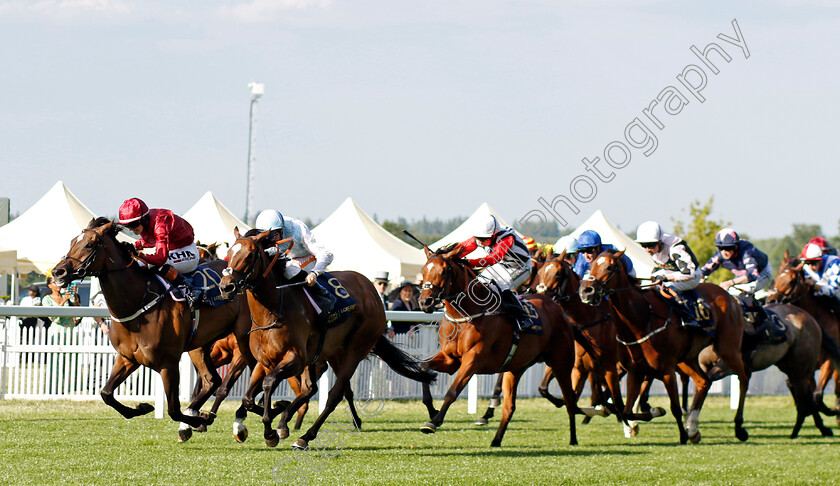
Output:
x=476 y=338
x=286 y=341
x=646 y=321
x=148 y=327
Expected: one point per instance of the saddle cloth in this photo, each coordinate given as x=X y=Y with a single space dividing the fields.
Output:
x=344 y=303
x=534 y=323
x=203 y=278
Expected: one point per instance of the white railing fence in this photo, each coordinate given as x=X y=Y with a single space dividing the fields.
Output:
x=76 y=363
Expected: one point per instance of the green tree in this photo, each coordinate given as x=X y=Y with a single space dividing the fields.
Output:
x=699 y=231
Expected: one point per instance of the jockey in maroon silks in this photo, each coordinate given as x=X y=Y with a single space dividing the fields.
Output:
x=170 y=235
x=506 y=266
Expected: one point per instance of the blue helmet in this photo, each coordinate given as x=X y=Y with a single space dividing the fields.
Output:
x=269 y=219
x=589 y=239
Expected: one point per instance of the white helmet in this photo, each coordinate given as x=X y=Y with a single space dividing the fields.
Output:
x=486 y=228
x=568 y=243
x=649 y=232
x=269 y=219
x=811 y=252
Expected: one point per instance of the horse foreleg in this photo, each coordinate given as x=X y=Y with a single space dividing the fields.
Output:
x=495 y=401
x=210 y=381
x=171 y=376
x=269 y=383
x=735 y=362
x=308 y=389
x=670 y=380
x=465 y=372
x=611 y=377
x=563 y=371
x=510 y=380
x=294 y=384
x=442 y=364
x=237 y=366
x=122 y=369
x=240 y=431
x=702 y=383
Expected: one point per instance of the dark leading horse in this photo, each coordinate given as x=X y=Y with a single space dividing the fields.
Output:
x=796 y=357
x=149 y=328
x=647 y=322
x=790 y=286
x=478 y=339
x=285 y=340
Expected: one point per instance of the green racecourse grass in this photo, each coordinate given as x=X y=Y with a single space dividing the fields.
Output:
x=88 y=443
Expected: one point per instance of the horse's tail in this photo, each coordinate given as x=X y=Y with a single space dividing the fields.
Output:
x=402 y=362
x=830 y=346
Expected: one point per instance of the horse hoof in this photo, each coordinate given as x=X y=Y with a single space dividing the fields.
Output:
x=586 y=420
x=145 y=408
x=495 y=402
x=634 y=430
x=683 y=438
x=209 y=418
x=241 y=435
x=300 y=444
x=429 y=428
x=826 y=432
x=200 y=428
x=481 y=421
x=743 y=435
x=272 y=439
x=184 y=434
x=284 y=432
x=657 y=412
x=695 y=438
x=358 y=425
x=496 y=443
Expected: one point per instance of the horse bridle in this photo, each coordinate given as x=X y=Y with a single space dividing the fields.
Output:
x=445 y=274
x=84 y=265
x=786 y=299
x=248 y=279
x=558 y=294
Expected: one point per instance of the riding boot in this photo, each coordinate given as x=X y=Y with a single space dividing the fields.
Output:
x=193 y=295
x=514 y=309
x=323 y=298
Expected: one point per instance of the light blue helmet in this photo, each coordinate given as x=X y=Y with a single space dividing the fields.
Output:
x=568 y=243
x=589 y=239
x=269 y=219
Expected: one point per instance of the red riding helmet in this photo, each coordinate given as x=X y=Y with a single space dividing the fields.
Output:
x=132 y=210
x=811 y=252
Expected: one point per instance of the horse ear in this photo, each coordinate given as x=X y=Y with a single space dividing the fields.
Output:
x=452 y=253
x=427 y=251
x=800 y=266
x=105 y=228
x=236 y=232
x=787 y=255
x=562 y=255
x=620 y=254
x=258 y=238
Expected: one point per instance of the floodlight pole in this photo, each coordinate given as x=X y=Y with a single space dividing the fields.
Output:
x=257 y=90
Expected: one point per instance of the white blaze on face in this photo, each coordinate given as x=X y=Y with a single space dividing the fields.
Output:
x=601 y=260
x=235 y=248
x=429 y=267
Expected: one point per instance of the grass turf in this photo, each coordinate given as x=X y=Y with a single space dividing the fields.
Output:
x=89 y=443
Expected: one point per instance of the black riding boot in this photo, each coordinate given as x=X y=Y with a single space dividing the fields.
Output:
x=324 y=299
x=178 y=280
x=513 y=308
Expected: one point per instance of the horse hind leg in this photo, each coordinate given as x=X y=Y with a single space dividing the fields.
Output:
x=121 y=370
x=543 y=388
x=495 y=401
x=510 y=381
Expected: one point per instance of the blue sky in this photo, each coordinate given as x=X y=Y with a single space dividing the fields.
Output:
x=420 y=108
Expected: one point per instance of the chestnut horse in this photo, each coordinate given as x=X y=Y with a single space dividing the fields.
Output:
x=285 y=340
x=791 y=287
x=647 y=322
x=148 y=327
x=796 y=357
x=476 y=338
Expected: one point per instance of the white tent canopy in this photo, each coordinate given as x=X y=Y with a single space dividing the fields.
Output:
x=467 y=228
x=212 y=221
x=359 y=243
x=610 y=234
x=42 y=234
x=8 y=262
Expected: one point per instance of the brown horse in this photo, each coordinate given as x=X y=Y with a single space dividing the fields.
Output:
x=148 y=327
x=226 y=352
x=647 y=322
x=796 y=357
x=476 y=338
x=285 y=340
x=791 y=286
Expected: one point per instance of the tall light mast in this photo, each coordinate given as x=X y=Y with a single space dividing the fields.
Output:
x=257 y=90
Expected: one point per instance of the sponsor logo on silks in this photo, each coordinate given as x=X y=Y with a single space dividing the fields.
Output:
x=182 y=256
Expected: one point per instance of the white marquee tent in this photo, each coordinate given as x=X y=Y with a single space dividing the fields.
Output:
x=610 y=234
x=42 y=234
x=212 y=221
x=359 y=243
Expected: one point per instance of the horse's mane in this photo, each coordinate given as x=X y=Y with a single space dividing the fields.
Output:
x=791 y=262
x=124 y=246
x=445 y=248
